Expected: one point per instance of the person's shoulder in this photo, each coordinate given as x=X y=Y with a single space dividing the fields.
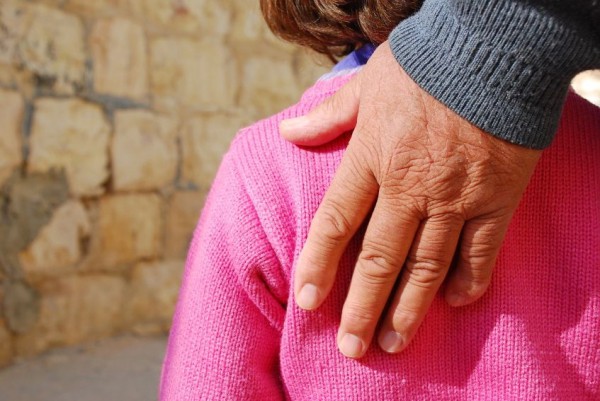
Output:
x=260 y=148
x=278 y=176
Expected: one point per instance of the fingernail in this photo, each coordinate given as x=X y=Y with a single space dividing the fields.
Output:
x=351 y=346
x=391 y=342
x=293 y=123
x=308 y=297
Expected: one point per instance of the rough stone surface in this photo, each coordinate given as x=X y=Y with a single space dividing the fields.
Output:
x=73 y=135
x=74 y=309
x=95 y=7
x=119 y=55
x=204 y=141
x=129 y=229
x=12 y=28
x=58 y=245
x=192 y=74
x=182 y=217
x=153 y=294
x=18 y=79
x=26 y=205
x=45 y=40
x=11 y=118
x=144 y=150
x=184 y=16
x=268 y=92
x=6 y=350
x=248 y=25
x=21 y=306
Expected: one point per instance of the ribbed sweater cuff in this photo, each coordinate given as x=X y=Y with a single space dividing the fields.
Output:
x=503 y=65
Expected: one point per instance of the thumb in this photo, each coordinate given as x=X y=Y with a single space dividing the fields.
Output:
x=335 y=116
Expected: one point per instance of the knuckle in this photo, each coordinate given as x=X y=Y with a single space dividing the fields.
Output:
x=361 y=159
x=480 y=257
x=354 y=163
x=482 y=238
x=332 y=226
x=477 y=261
x=376 y=267
x=425 y=273
x=357 y=317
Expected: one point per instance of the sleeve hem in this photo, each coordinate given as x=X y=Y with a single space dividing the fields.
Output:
x=505 y=66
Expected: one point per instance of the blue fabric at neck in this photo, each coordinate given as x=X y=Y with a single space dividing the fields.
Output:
x=355 y=59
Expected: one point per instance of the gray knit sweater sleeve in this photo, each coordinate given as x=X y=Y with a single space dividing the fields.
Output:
x=504 y=65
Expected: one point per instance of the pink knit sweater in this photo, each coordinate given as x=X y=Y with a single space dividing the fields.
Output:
x=535 y=335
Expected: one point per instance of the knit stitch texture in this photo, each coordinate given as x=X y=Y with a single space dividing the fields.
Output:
x=504 y=65
x=238 y=335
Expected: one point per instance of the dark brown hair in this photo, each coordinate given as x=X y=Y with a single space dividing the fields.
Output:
x=335 y=27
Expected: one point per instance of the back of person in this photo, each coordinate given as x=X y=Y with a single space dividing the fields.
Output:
x=239 y=335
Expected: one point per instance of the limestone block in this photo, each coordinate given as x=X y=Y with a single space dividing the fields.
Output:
x=8 y=38
x=27 y=204
x=182 y=217
x=248 y=23
x=144 y=150
x=129 y=229
x=153 y=295
x=6 y=346
x=11 y=117
x=73 y=135
x=95 y=7
x=57 y=247
x=249 y=26
x=74 y=309
x=13 y=24
x=184 y=16
x=118 y=49
x=192 y=75
x=204 y=141
x=11 y=76
x=44 y=40
x=268 y=85
x=21 y=306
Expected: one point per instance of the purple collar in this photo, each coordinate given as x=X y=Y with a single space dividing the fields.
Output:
x=355 y=59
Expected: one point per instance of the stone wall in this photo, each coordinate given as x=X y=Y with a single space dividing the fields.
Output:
x=114 y=115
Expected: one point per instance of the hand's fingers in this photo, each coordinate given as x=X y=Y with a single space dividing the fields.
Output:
x=327 y=121
x=480 y=243
x=344 y=207
x=424 y=271
x=387 y=241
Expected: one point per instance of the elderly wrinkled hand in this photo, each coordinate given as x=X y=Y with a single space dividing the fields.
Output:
x=440 y=190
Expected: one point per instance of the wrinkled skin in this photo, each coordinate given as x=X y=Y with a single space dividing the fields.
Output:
x=439 y=186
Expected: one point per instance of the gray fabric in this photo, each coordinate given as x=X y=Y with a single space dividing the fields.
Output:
x=504 y=65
